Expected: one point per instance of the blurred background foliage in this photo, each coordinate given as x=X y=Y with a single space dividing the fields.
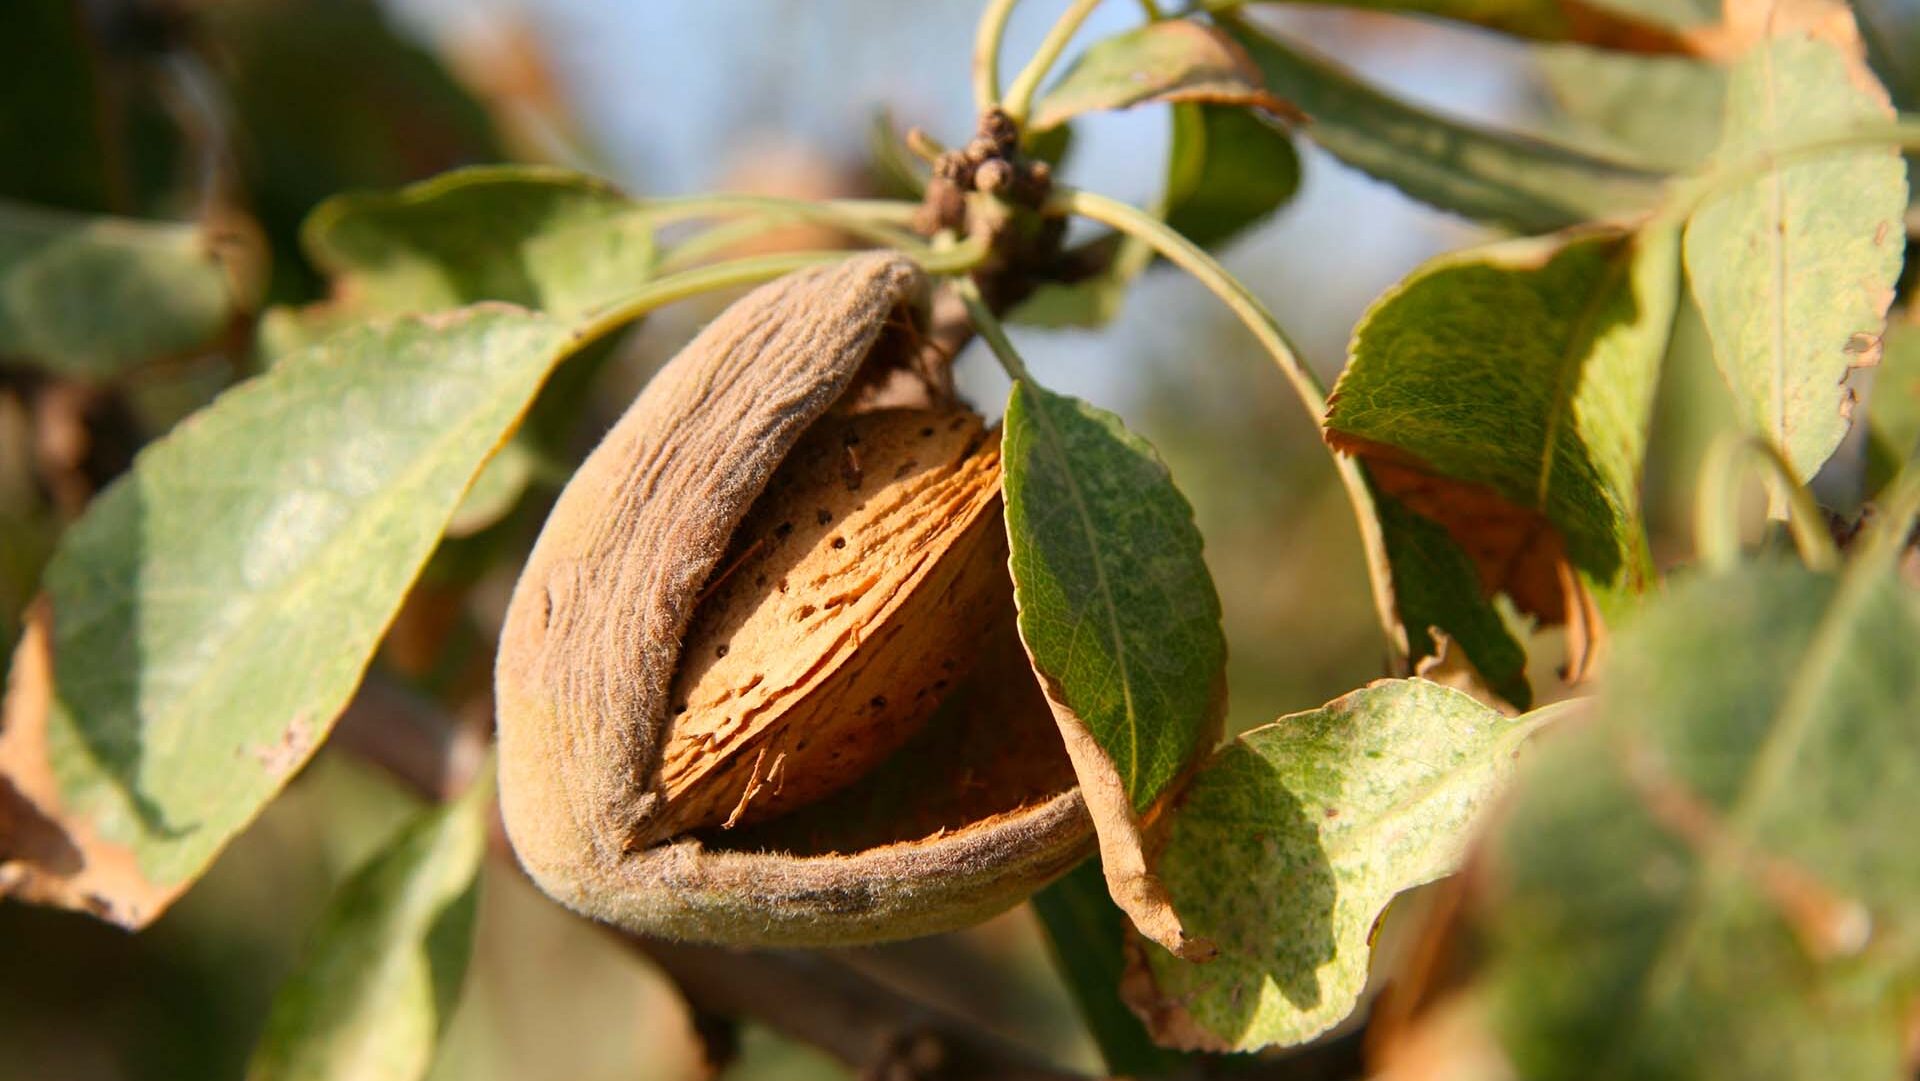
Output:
x=240 y=115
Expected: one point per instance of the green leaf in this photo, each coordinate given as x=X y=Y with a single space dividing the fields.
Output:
x=89 y=296
x=1638 y=25
x=1436 y=588
x=1088 y=935
x=542 y=238
x=1740 y=899
x=379 y=979
x=1664 y=112
x=896 y=171
x=1227 y=170
x=1794 y=267
x=1492 y=176
x=1505 y=394
x=1293 y=838
x=1173 y=60
x=1119 y=615
x=205 y=621
x=538 y=237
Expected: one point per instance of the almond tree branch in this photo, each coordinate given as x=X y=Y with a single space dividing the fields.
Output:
x=818 y=1000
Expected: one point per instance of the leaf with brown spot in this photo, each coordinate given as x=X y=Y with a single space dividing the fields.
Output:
x=1794 y=265
x=1504 y=394
x=1171 y=61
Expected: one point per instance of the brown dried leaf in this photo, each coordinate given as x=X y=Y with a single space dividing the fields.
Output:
x=1516 y=549
x=48 y=854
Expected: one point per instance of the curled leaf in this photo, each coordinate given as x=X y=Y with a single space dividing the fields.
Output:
x=1504 y=394
x=1488 y=175
x=1171 y=61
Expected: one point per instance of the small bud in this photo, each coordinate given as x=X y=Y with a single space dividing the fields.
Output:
x=992 y=176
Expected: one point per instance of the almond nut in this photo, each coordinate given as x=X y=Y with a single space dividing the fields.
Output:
x=758 y=682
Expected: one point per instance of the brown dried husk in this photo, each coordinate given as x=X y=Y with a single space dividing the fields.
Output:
x=976 y=811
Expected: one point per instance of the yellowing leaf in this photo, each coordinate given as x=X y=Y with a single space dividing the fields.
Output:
x=1794 y=266
x=1289 y=844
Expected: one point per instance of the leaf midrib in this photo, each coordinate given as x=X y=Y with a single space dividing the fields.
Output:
x=1056 y=447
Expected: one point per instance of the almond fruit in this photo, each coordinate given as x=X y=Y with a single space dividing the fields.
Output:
x=755 y=683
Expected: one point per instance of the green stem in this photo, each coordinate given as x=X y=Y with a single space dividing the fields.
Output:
x=1019 y=99
x=1189 y=257
x=880 y=221
x=986 y=53
x=956 y=259
x=988 y=326
x=1717 y=509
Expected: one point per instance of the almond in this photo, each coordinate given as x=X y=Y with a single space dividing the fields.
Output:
x=752 y=612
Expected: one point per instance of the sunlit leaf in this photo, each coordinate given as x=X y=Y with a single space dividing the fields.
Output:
x=1174 y=60
x=205 y=621
x=1119 y=615
x=380 y=977
x=89 y=296
x=538 y=237
x=1291 y=841
x=1493 y=176
x=1504 y=393
x=1717 y=877
x=1794 y=266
